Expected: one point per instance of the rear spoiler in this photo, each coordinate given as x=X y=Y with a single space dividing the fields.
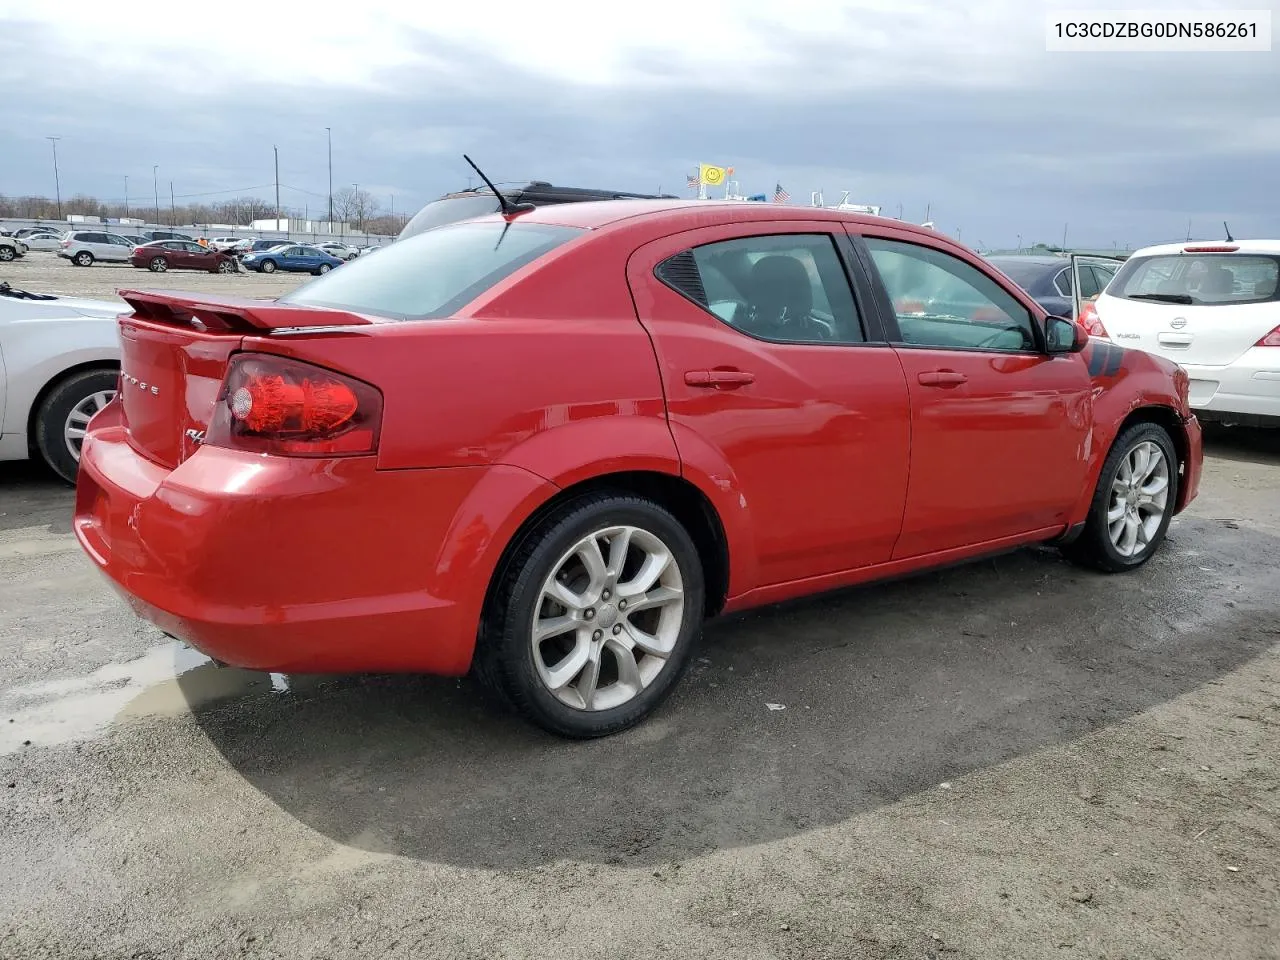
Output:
x=232 y=314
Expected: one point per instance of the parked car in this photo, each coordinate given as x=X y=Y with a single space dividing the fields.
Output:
x=165 y=235
x=43 y=241
x=162 y=255
x=134 y=238
x=25 y=232
x=11 y=248
x=85 y=247
x=293 y=258
x=225 y=244
x=257 y=246
x=1212 y=308
x=342 y=251
x=1049 y=279
x=465 y=204
x=604 y=422
x=62 y=360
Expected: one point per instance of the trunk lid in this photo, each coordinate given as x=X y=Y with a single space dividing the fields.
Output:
x=174 y=354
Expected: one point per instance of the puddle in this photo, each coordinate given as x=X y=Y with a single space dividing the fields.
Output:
x=55 y=712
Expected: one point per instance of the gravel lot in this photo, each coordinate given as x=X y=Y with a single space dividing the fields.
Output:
x=43 y=272
x=1013 y=758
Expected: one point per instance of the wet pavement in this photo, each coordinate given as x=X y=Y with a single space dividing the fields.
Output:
x=1010 y=758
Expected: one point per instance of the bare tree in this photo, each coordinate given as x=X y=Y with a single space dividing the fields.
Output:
x=352 y=205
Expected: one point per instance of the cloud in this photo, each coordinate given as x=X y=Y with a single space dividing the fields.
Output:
x=956 y=106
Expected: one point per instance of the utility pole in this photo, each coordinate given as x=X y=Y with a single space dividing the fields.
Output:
x=155 y=185
x=329 y=132
x=173 y=212
x=1064 y=235
x=126 y=196
x=277 y=153
x=57 y=183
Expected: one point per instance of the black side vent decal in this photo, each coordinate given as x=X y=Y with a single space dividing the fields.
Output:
x=681 y=273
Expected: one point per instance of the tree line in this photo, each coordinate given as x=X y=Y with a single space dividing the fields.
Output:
x=358 y=208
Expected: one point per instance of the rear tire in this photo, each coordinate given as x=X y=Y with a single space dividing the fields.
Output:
x=1133 y=503
x=158 y=265
x=63 y=409
x=631 y=677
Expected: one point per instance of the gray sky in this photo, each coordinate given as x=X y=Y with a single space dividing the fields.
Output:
x=920 y=102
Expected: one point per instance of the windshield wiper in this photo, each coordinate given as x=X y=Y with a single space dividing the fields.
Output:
x=8 y=291
x=1163 y=297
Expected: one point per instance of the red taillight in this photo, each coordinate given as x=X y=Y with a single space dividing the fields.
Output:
x=1090 y=321
x=65 y=244
x=1272 y=339
x=1220 y=248
x=271 y=404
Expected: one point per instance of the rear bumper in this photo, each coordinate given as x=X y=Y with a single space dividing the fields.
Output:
x=298 y=565
x=1251 y=385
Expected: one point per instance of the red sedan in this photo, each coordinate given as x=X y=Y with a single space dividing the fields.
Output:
x=161 y=255
x=545 y=446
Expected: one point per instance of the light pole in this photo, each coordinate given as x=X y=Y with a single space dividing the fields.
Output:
x=329 y=134
x=57 y=184
x=126 y=196
x=155 y=184
x=277 y=153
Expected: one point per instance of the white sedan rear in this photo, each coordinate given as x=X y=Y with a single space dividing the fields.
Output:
x=1212 y=308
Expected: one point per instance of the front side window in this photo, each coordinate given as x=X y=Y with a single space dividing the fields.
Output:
x=1208 y=280
x=942 y=301
x=788 y=288
x=435 y=273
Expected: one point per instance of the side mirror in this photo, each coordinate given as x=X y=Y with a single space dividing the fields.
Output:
x=1064 y=336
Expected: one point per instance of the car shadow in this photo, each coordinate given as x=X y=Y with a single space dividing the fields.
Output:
x=876 y=693
x=1243 y=444
x=32 y=496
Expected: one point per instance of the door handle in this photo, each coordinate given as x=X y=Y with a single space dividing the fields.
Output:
x=942 y=378
x=722 y=379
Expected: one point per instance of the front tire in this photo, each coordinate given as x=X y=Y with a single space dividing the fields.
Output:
x=83 y=259
x=595 y=616
x=226 y=266
x=1133 y=503
x=7 y=254
x=268 y=266
x=64 y=415
x=323 y=269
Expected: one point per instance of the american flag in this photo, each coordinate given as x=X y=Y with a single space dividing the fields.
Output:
x=780 y=195
x=693 y=180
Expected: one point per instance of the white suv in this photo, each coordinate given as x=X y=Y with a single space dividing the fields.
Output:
x=1212 y=308
x=83 y=247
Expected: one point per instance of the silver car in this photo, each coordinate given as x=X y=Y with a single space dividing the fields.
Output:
x=43 y=241
x=84 y=247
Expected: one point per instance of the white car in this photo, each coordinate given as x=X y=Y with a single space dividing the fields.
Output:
x=43 y=241
x=59 y=365
x=1212 y=308
x=84 y=247
x=11 y=248
x=340 y=250
x=224 y=244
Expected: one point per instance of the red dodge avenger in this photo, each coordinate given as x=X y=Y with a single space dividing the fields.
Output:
x=542 y=446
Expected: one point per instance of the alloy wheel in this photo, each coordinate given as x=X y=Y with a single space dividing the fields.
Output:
x=1139 y=499
x=73 y=430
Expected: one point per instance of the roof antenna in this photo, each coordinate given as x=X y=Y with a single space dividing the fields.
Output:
x=1230 y=238
x=509 y=209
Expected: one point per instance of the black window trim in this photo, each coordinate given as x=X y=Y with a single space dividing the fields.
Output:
x=1064 y=272
x=872 y=331
x=889 y=317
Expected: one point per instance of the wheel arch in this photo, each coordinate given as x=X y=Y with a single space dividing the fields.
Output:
x=52 y=384
x=1171 y=422
x=680 y=496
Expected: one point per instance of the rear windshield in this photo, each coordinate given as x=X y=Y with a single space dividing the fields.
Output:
x=1202 y=280
x=435 y=273
x=451 y=210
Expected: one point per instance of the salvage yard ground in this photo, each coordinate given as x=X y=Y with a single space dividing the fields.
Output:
x=1014 y=758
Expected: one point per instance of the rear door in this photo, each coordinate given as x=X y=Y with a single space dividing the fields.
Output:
x=999 y=428
x=1199 y=309
x=774 y=371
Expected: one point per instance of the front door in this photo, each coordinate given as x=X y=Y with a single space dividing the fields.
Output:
x=772 y=372
x=999 y=428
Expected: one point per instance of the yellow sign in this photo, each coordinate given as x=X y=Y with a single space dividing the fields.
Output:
x=712 y=176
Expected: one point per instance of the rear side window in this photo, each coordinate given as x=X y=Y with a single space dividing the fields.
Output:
x=435 y=273
x=449 y=210
x=788 y=288
x=1206 y=280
